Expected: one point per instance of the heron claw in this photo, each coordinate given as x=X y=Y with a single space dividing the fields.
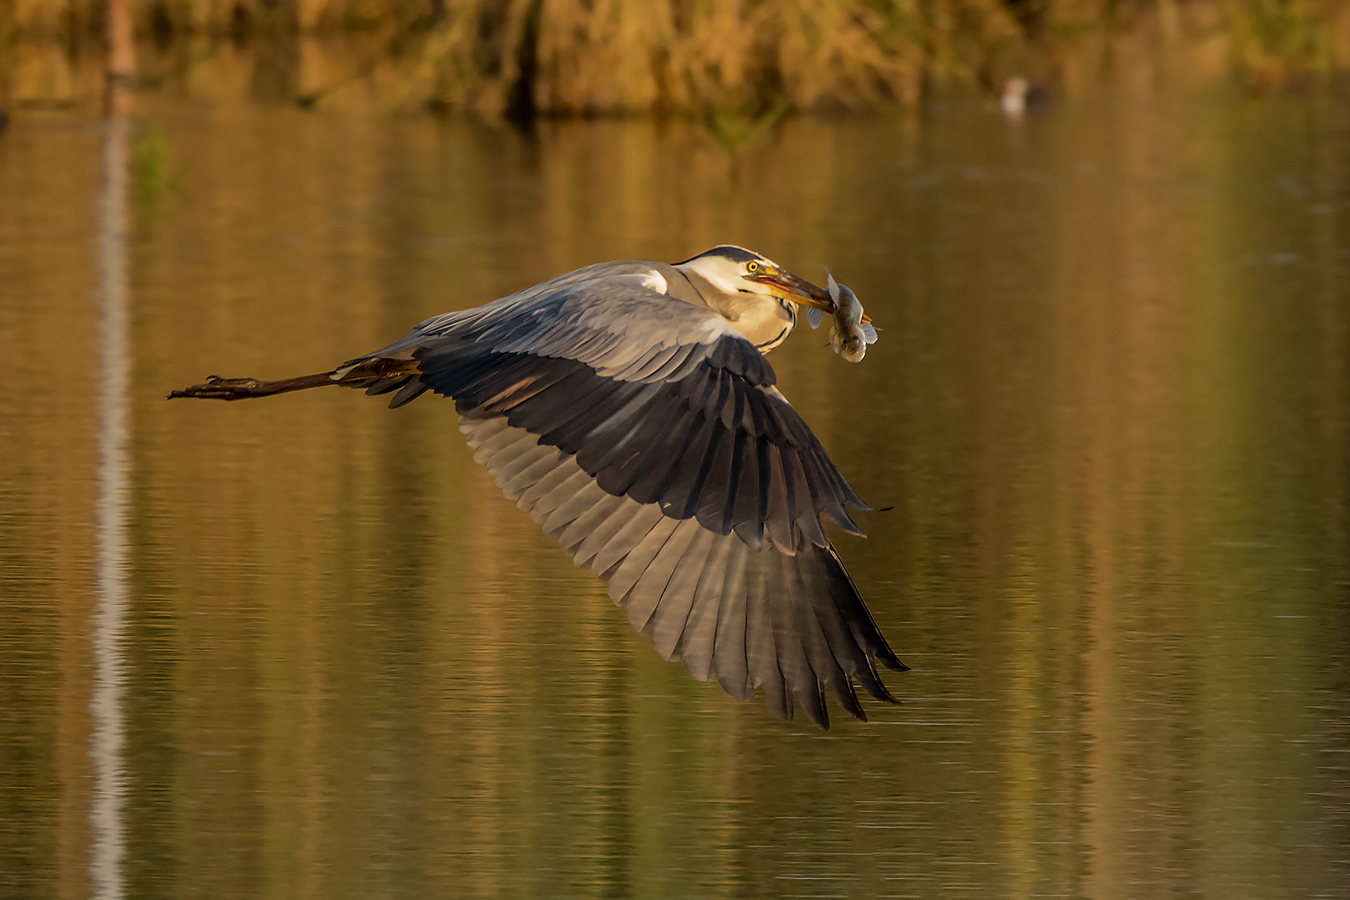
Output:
x=217 y=388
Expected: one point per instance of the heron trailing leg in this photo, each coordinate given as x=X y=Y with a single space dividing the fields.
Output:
x=217 y=388
x=365 y=373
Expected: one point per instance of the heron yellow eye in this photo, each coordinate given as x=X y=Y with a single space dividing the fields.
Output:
x=751 y=267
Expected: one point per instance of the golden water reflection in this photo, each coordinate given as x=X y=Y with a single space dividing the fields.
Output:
x=1109 y=406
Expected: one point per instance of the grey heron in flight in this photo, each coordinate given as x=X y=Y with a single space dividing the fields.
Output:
x=628 y=408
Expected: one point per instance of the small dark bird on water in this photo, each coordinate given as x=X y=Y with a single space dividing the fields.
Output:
x=628 y=408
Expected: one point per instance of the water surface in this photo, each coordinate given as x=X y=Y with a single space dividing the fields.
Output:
x=1110 y=408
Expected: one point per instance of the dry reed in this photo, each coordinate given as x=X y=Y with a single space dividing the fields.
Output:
x=569 y=57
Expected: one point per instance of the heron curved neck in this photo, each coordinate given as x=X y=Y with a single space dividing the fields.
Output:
x=765 y=321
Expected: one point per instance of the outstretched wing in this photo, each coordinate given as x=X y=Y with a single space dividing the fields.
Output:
x=647 y=436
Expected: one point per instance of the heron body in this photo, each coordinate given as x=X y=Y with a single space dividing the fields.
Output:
x=629 y=409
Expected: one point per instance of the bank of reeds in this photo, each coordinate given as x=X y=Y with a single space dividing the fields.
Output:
x=563 y=57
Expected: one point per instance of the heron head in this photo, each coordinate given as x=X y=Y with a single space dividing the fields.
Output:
x=731 y=270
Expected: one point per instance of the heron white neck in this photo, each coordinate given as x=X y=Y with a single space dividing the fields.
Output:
x=765 y=321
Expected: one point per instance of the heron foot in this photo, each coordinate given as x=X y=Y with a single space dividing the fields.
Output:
x=217 y=388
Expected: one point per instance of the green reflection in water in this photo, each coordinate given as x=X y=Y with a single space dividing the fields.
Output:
x=1109 y=406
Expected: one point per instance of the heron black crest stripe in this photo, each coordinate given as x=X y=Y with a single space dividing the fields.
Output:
x=726 y=251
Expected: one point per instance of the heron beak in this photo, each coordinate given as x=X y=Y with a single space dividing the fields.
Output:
x=796 y=289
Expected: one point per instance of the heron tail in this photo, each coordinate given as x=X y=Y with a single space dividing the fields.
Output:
x=365 y=373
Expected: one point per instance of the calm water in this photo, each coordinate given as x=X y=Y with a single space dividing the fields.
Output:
x=303 y=647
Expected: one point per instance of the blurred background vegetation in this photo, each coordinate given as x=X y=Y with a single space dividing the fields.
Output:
x=582 y=57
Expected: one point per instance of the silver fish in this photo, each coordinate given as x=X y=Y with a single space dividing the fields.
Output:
x=851 y=334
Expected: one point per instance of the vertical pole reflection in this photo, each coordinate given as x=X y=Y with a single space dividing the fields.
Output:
x=113 y=463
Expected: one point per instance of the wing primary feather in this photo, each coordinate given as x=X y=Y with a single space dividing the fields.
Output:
x=794 y=660
x=801 y=500
x=794 y=484
x=647 y=593
x=740 y=357
x=625 y=541
x=540 y=497
x=777 y=417
x=554 y=408
x=731 y=404
x=762 y=418
x=688 y=485
x=792 y=625
x=711 y=508
x=619 y=477
x=451 y=368
x=636 y=560
x=413 y=389
x=817 y=485
x=580 y=413
x=671 y=616
x=746 y=499
x=734 y=481
x=822 y=482
x=699 y=641
x=496 y=444
x=726 y=387
x=525 y=386
x=761 y=649
x=731 y=654
x=849 y=657
x=631 y=426
x=861 y=622
x=614 y=437
x=598 y=526
x=531 y=466
x=710 y=390
x=763 y=449
x=778 y=514
x=654 y=483
x=844 y=600
x=590 y=410
x=569 y=509
x=820 y=651
x=663 y=548
x=688 y=462
x=616 y=430
x=572 y=535
x=695 y=386
x=524 y=453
